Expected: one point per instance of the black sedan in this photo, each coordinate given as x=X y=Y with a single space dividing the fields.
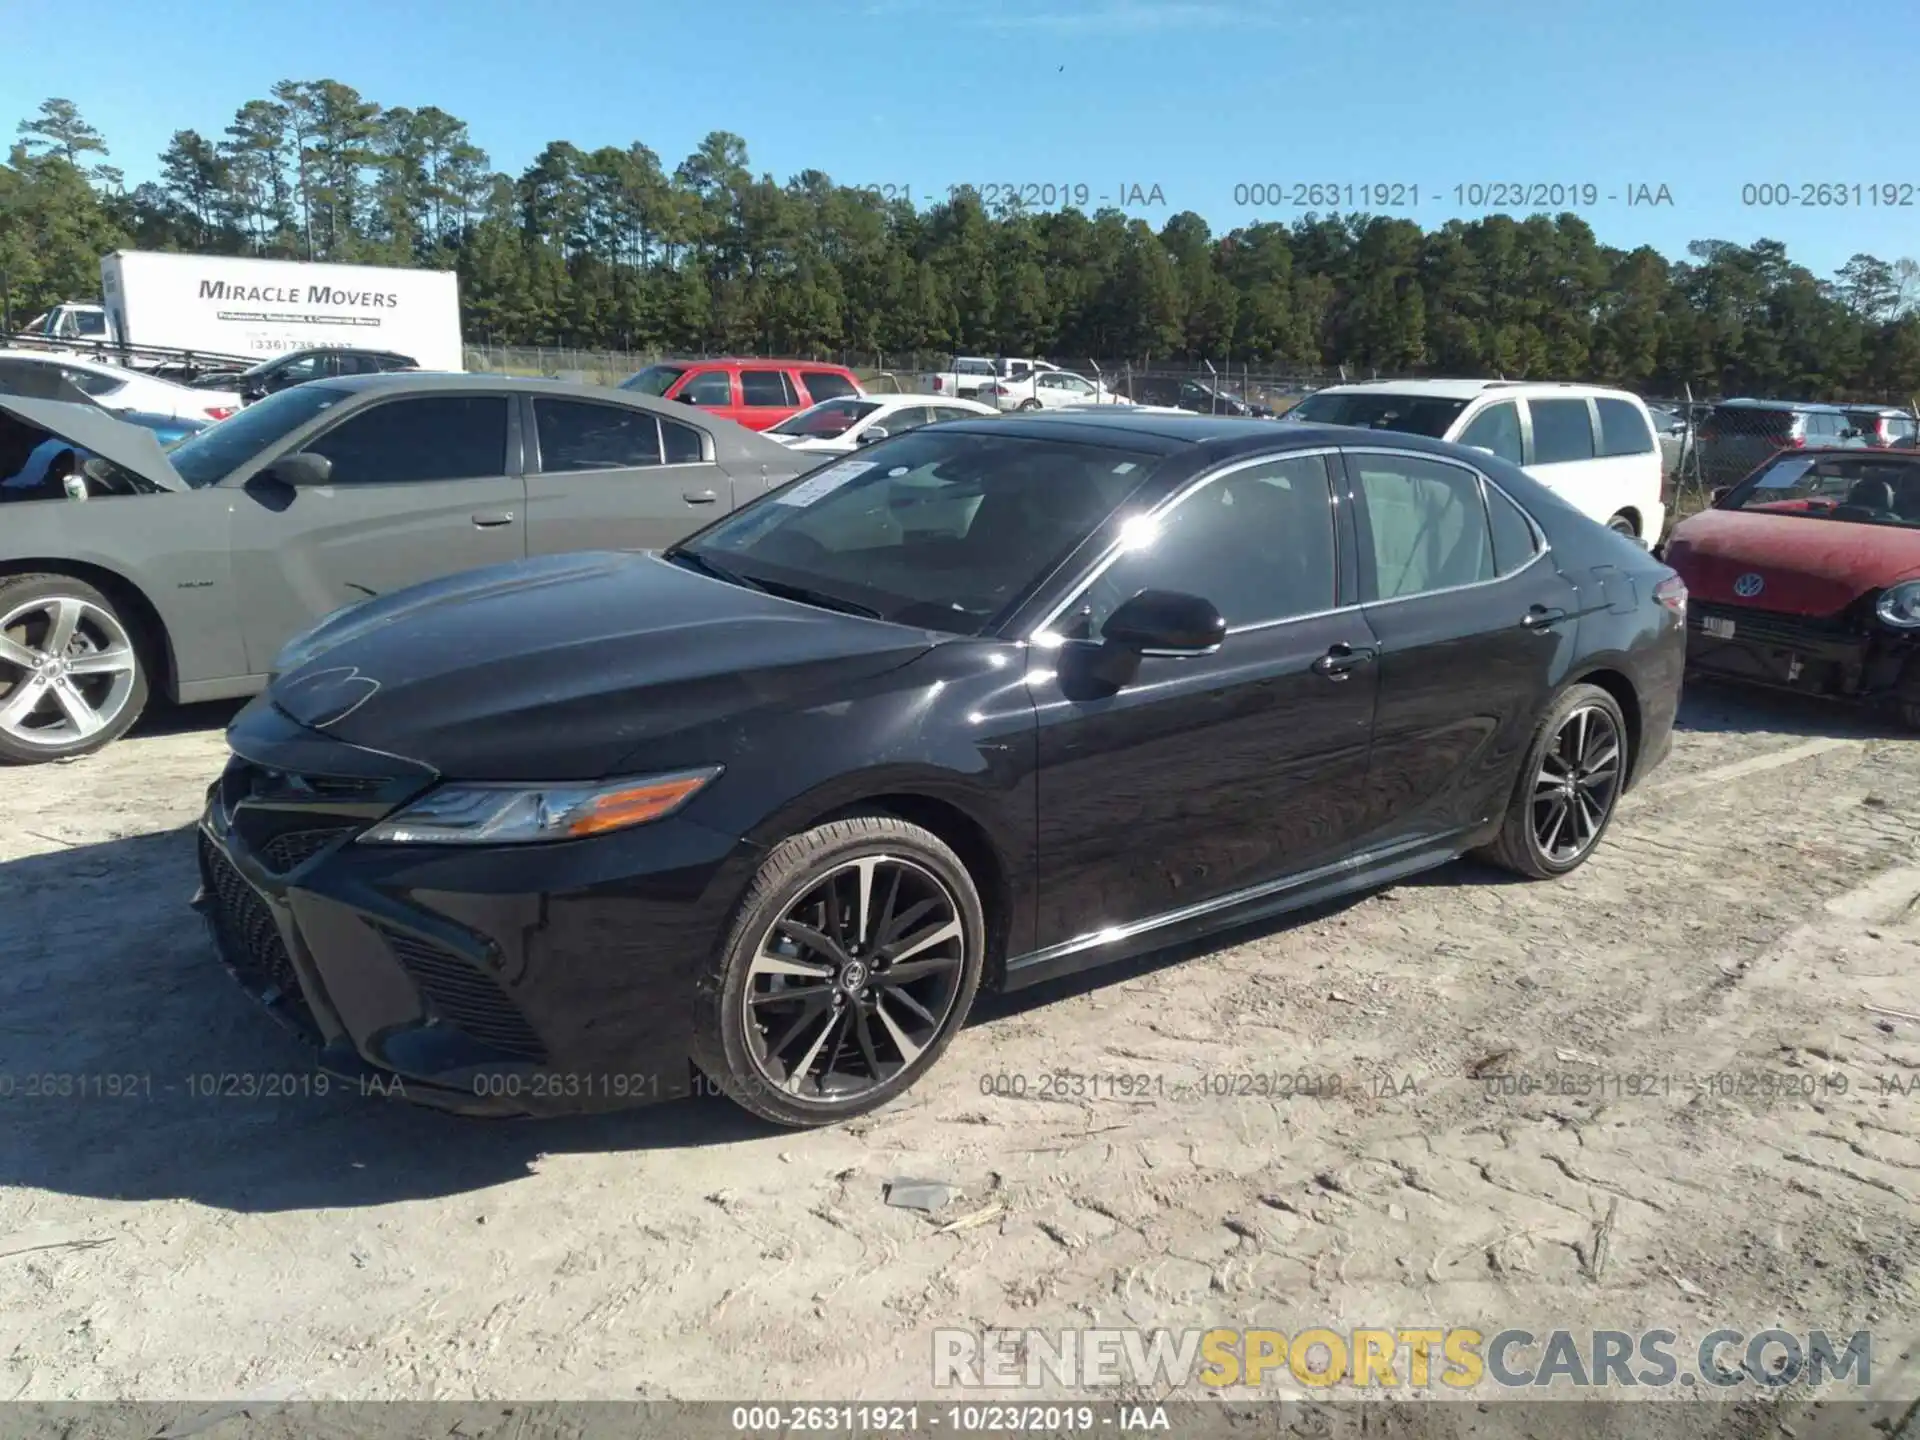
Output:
x=993 y=701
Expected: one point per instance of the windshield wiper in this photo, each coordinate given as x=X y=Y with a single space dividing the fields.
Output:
x=774 y=587
x=815 y=597
x=706 y=566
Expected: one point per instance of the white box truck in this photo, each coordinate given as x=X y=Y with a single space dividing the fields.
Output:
x=254 y=309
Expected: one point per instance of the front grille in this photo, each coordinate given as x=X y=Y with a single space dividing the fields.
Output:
x=461 y=994
x=1768 y=627
x=249 y=940
x=288 y=850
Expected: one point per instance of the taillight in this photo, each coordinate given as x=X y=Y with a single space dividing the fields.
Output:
x=1672 y=593
x=219 y=412
x=938 y=384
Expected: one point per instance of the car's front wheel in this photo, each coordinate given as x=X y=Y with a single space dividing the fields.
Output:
x=1622 y=524
x=1029 y=404
x=852 y=962
x=71 y=678
x=1575 y=771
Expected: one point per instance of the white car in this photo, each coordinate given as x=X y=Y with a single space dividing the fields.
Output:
x=1595 y=448
x=1049 y=390
x=115 y=387
x=842 y=425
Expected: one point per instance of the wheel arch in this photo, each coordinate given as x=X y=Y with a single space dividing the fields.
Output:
x=932 y=808
x=1627 y=696
x=143 y=616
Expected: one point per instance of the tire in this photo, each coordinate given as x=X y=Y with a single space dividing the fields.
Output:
x=868 y=1028
x=1909 y=711
x=1520 y=846
x=1029 y=404
x=1622 y=524
x=103 y=668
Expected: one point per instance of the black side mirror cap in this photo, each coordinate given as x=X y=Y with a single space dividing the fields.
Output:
x=1720 y=492
x=1166 y=622
x=302 y=471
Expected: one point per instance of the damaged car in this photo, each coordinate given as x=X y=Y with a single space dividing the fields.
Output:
x=1805 y=576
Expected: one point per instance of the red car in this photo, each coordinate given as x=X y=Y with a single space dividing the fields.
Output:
x=753 y=393
x=1806 y=576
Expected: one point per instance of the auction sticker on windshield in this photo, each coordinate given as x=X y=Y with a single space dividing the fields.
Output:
x=825 y=483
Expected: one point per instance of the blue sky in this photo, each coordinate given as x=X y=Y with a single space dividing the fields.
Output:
x=1197 y=97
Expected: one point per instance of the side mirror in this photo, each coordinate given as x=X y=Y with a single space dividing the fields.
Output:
x=253 y=393
x=1720 y=492
x=872 y=434
x=302 y=471
x=1166 y=622
x=686 y=398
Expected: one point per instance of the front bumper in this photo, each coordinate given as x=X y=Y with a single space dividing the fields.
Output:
x=1811 y=655
x=514 y=980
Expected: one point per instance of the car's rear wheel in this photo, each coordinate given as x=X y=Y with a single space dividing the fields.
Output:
x=1575 y=771
x=1029 y=404
x=852 y=961
x=71 y=677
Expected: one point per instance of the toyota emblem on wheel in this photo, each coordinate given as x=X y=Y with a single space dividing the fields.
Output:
x=1749 y=585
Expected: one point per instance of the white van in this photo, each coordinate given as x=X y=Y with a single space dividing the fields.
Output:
x=1593 y=447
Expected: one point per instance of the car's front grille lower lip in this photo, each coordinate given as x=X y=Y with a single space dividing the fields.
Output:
x=249 y=939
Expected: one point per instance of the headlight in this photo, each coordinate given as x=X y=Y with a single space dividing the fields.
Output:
x=1899 y=605
x=529 y=814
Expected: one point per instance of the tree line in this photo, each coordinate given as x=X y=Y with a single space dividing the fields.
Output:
x=609 y=249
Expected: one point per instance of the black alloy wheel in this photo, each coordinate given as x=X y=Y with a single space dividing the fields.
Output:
x=1569 y=787
x=853 y=961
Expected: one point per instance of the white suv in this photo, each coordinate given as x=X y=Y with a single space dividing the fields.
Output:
x=1593 y=447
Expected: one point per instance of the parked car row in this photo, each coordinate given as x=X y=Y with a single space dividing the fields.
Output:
x=533 y=649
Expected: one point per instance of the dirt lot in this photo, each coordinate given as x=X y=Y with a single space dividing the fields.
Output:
x=1750 y=902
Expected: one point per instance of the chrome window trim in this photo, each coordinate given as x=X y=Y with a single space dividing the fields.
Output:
x=1042 y=634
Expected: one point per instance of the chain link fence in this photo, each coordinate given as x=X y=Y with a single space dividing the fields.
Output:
x=1709 y=445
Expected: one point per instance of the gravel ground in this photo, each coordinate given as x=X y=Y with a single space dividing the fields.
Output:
x=1750 y=902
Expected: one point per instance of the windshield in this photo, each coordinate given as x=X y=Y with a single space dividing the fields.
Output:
x=827 y=419
x=654 y=380
x=1411 y=414
x=205 y=458
x=1863 y=490
x=935 y=528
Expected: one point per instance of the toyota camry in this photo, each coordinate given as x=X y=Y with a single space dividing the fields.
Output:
x=992 y=701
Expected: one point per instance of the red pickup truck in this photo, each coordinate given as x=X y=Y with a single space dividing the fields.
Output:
x=753 y=393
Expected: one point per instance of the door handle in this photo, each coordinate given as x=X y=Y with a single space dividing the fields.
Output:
x=1342 y=660
x=699 y=497
x=1542 y=617
x=488 y=519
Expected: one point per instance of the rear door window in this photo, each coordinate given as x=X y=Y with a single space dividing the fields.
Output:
x=1622 y=431
x=1562 y=431
x=1427 y=525
x=764 y=388
x=576 y=435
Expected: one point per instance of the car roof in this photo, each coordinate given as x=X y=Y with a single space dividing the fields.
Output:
x=1746 y=403
x=433 y=382
x=1168 y=433
x=735 y=361
x=1470 y=389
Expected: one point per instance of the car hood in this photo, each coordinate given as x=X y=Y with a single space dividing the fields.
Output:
x=88 y=427
x=569 y=667
x=1803 y=565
